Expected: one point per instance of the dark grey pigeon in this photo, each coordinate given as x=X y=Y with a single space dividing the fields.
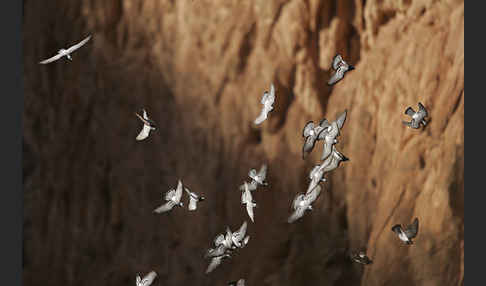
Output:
x=340 y=67
x=360 y=257
x=406 y=235
x=417 y=117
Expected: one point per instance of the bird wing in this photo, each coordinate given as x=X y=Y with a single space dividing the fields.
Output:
x=308 y=145
x=144 y=133
x=145 y=115
x=409 y=111
x=249 y=210
x=261 y=117
x=149 y=278
x=341 y=119
x=263 y=172
x=178 y=192
x=298 y=213
x=215 y=262
x=51 y=59
x=412 y=229
x=241 y=232
x=422 y=110
x=264 y=97
x=78 y=45
x=311 y=196
x=409 y=124
x=307 y=129
x=165 y=207
x=192 y=204
x=138 y=280
x=219 y=239
x=336 y=61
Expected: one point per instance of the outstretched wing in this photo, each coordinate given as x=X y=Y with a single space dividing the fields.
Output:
x=144 y=133
x=149 y=278
x=262 y=117
x=409 y=111
x=249 y=210
x=341 y=119
x=337 y=76
x=263 y=172
x=165 y=207
x=145 y=115
x=308 y=145
x=336 y=61
x=271 y=95
x=422 y=110
x=412 y=229
x=51 y=59
x=178 y=192
x=78 y=45
x=215 y=262
x=264 y=97
x=307 y=129
x=298 y=213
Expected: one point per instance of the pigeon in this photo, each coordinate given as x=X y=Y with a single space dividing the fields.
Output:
x=303 y=202
x=215 y=262
x=148 y=125
x=239 y=235
x=224 y=240
x=340 y=67
x=259 y=177
x=66 y=52
x=173 y=198
x=361 y=258
x=146 y=280
x=333 y=161
x=247 y=199
x=417 y=117
x=240 y=282
x=214 y=252
x=267 y=100
x=410 y=231
x=311 y=134
x=193 y=199
x=330 y=133
x=316 y=176
x=251 y=186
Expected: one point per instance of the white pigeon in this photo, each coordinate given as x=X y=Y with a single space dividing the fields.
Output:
x=215 y=262
x=311 y=135
x=66 y=52
x=330 y=133
x=146 y=280
x=239 y=235
x=173 y=198
x=148 y=125
x=340 y=67
x=303 y=203
x=240 y=282
x=193 y=199
x=247 y=199
x=259 y=177
x=267 y=100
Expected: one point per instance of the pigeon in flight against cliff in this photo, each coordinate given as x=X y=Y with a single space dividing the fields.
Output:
x=267 y=100
x=193 y=199
x=215 y=262
x=330 y=133
x=240 y=282
x=417 y=117
x=148 y=125
x=147 y=280
x=238 y=236
x=408 y=233
x=173 y=198
x=340 y=67
x=66 y=52
x=259 y=177
x=247 y=199
x=311 y=134
x=303 y=203
x=360 y=257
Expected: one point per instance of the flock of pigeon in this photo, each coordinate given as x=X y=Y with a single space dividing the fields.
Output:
x=327 y=132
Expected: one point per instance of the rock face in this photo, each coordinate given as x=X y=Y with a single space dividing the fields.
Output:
x=200 y=67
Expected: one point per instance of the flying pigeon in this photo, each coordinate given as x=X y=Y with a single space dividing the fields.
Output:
x=259 y=177
x=417 y=117
x=146 y=280
x=193 y=199
x=311 y=134
x=302 y=203
x=410 y=231
x=66 y=52
x=340 y=67
x=267 y=100
x=239 y=235
x=247 y=199
x=148 y=125
x=330 y=133
x=240 y=282
x=361 y=258
x=215 y=262
x=173 y=198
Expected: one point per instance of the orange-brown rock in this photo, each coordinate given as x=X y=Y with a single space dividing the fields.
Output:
x=200 y=67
